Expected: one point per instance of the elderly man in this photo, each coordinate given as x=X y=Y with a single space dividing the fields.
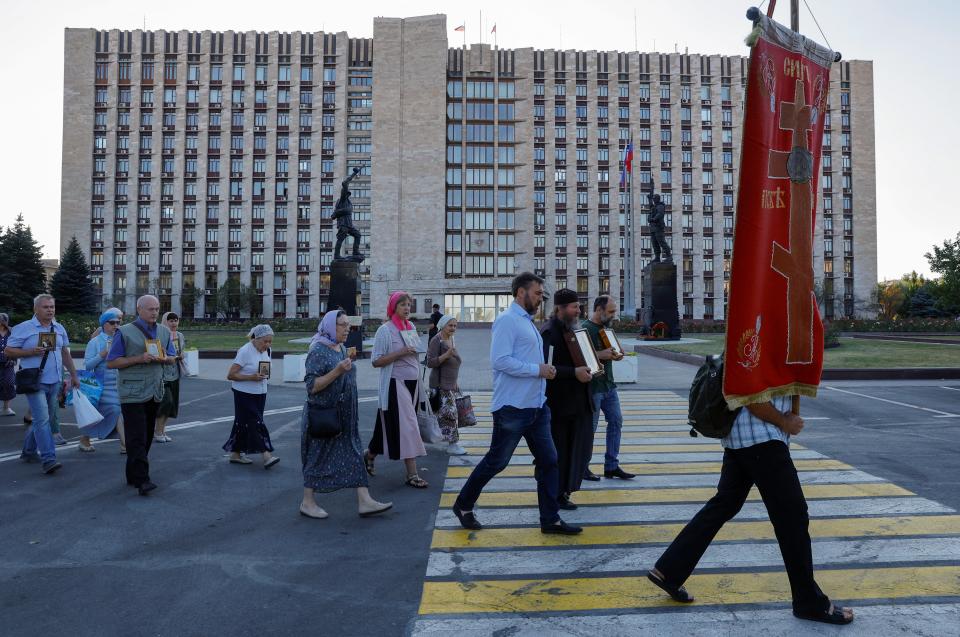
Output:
x=35 y=352
x=139 y=352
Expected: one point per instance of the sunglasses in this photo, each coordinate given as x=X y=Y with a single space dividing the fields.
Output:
x=114 y=322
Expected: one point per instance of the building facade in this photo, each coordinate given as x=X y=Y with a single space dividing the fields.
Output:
x=203 y=161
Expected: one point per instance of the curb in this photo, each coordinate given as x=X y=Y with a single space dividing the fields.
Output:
x=839 y=373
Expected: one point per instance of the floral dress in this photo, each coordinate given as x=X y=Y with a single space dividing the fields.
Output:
x=330 y=464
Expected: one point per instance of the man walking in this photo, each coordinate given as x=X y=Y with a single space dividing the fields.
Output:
x=434 y=320
x=568 y=397
x=604 y=389
x=756 y=452
x=139 y=352
x=519 y=408
x=42 y=343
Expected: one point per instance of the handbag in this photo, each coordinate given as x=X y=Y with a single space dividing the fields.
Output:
x=324 y=422
x=426 y=419
x=28 y=380
x=465 y=415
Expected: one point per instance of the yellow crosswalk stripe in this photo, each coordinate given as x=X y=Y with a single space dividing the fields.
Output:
x=626 y=434
x=693 y=494
x=521 y=471
x=610 y=593
x=917 y=525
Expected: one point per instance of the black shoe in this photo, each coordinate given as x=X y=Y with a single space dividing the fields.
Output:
x=146 y=488
x=561 y=528
x=619 y=473
x=564 y=503
x=467 y=519
x=30 y=458
x=51 y=467
x=591 y=476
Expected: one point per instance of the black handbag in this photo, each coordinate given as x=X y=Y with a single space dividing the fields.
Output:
x=28 y=380
x=324 y=422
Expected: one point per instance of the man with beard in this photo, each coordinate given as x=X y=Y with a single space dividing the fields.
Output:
x=568 y=396
x=603 y=390
x=519 y=409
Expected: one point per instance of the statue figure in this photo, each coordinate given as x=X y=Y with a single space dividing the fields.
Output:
x=343 y=213
x=657 y=228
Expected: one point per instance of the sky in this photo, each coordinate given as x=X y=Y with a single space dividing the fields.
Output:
x=917 y=135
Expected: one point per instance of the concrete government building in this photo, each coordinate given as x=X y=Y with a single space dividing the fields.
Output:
x=191 y=158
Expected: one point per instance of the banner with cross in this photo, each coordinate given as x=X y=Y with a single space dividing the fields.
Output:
x=774 y=343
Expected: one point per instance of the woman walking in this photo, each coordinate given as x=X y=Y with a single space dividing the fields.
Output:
x=336 y=463
x=248 y=376
x=8 y=387
x=445 y=361
x=95 y=360
x=394 y=353
x=170 y=405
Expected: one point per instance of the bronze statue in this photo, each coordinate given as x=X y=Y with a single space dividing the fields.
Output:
x=657 y=228
x=343 y=213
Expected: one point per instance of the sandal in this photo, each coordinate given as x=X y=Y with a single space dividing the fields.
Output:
x=416 y=482
x=86 y=449
x=368 y=463
x=678 y=594
x=833 y=615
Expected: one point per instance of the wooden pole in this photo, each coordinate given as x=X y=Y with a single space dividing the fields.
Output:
x=795 y=15
x=771 y=7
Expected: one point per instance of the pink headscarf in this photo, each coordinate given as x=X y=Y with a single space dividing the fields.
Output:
x=392 y=311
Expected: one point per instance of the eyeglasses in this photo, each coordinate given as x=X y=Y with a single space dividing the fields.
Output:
x=114 y=322
x=339 y=324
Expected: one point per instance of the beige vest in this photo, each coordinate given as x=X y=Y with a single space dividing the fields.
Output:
x=141 y=383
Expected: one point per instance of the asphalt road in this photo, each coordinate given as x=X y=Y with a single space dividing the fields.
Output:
x=220 y=548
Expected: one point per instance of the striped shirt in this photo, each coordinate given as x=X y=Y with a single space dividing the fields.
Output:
x=748 y=430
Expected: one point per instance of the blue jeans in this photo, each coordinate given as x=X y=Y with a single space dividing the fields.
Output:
x=509 y=426
x=39 y=437
x=609 y=403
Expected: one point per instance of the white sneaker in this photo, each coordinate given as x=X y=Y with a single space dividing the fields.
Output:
x=8 y=412
x=456 y=450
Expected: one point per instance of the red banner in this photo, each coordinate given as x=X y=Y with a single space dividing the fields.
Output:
x=774 y=341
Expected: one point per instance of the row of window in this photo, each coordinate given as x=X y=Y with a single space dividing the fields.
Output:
x=284 y=72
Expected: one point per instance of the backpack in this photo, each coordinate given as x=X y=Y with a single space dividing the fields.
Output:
x=708 y=414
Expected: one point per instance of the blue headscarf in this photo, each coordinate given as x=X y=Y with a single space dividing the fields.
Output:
x=110 y=314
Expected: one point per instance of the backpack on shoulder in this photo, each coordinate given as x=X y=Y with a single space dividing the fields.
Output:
x=708 y=414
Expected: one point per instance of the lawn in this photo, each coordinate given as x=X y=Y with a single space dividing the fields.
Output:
x=852 y=353
x=213 y=340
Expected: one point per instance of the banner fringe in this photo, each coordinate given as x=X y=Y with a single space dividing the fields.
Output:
x=790 y=389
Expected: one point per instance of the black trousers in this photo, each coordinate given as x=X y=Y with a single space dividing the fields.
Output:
x=572 y=434
x=769 y=466
x=139 y=423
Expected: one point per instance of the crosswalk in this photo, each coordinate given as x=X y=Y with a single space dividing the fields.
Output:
x=892 y=554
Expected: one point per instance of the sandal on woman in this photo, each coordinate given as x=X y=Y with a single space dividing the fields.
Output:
x=416 y=482
x=368 y=463
x=241 y=460
x=832 y=615
x=678 y=594
x=272 y=461
x=86 y=448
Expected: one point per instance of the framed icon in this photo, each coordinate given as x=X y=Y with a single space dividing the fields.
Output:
x=589 y=356
x=412 y=339
x=264 y=368
x=47 y=340
x=351 y=352
x=610 y=341
x=154 y=348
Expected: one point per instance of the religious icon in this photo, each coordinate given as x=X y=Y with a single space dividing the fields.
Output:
x=47 y=340
x=412 y=339
x=351 y=352
x=264 y=369
x=610 y=341
x=587 y=354
x=154 y=348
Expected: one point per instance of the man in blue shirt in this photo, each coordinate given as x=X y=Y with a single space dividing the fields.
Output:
x=24 y=343
x=519 y=409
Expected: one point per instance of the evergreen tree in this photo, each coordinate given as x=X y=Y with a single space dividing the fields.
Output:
x=71 y=285
x=21 y=269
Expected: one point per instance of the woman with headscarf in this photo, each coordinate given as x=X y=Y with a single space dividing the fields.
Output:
x=444 y=361
x=248 y=376
x=95 y=361
x=170 y=405
x=335 y=463
x=8 y=386
x=396 y=433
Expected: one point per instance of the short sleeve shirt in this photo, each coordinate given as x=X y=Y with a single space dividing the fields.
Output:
x=248 y=358
x=26 y=335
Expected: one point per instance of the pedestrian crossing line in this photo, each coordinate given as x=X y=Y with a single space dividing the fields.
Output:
x=609 y=593
x=645 y=496
x=711 y=447
x=626 y=440
x=526 y=471
x=485 y=437
x=694 y=455
x=734 y=531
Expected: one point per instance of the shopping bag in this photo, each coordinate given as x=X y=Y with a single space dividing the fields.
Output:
x=465 y=415
x=191 y=362
x=91 y=386
x=87 y=415
x=426 y=419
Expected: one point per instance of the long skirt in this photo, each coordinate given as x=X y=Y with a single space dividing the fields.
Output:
x=170 y=405
x=249 y=434
x=396 y=430
x=573 y=437
x=330 y=464
x=8 y=384
x=448 y=416
x=111 y=414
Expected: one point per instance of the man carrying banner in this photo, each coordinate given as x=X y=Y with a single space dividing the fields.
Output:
x=771 y=288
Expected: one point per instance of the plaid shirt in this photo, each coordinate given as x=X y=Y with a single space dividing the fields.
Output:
x=748 y=430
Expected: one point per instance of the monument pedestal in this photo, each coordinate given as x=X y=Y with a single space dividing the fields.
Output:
x=345 y=294
x=659 y=299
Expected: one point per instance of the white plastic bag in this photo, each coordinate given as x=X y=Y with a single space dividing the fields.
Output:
x=87 y=415
x=191 y=361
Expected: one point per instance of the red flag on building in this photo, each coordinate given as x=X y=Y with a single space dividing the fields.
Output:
x=461 y=27
x=774 y=341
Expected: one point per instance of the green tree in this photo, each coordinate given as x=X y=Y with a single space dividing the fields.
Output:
x=188 y=300
x=71 y=285
x=945 y=261
x=21 y=269
x=234 y=298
